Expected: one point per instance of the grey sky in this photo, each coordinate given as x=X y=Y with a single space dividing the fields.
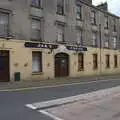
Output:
x=113 y=5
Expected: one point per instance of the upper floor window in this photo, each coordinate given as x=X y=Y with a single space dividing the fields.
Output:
x=36 y=29
x=60 y=32
x=36 y=3
x=106 y=22
x=94 y=39
x=106 y=41
x=60 y=7
x=4 y=24
x=115 y=26
x=114 y=42
x=79 y=37
x=93 y=17
x=78 y=12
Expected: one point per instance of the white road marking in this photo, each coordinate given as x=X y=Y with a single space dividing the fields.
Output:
x=88 y=96
x=49 y=115
x=30 y=106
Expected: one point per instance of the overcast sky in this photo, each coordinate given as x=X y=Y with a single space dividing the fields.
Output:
x=113 y=5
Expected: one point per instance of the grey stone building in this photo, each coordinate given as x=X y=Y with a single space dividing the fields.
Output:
x=62 y=21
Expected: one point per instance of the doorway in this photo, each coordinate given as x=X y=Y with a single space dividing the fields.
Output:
x=4 y=66
x=61 y=65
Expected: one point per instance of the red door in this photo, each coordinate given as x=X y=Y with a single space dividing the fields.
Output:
x=4 y=66
x=61 y=65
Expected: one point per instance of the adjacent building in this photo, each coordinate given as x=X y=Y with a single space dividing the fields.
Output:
x=44 y=39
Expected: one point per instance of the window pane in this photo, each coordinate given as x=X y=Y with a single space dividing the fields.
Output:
x=4 y=18
x=115 y=61
x=60 y=33
x=35 y=32
x=114 y=42
x=60 y=7
x=78 y=12
x=79 y=36
x=106 y=41
x=94 y=39
x=93 y=17
x=36 y=3
x=36 y=62
x=95 y=61
x=80 y=62
x=106 y=22
x=107 y=61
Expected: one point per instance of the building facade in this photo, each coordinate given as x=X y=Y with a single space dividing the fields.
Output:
x=43 y=39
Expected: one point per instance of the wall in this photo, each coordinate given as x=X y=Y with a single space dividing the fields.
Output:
x=20 y=56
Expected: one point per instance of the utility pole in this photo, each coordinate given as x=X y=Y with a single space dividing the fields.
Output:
x=100 y=47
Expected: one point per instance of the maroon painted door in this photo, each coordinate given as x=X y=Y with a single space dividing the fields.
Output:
x=61 y=65
x=4 y=66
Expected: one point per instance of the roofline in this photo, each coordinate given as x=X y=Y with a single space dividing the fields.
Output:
x=93 y=6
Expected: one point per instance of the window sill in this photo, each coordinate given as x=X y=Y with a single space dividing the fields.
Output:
x=62 y=42
x=105 y=28
x=80 y=70
x=37 y=73
x=79 y=19
x=107 y=67
x=37 y=40
x=60 y=14
x=106 y=48
x=95 y=68
x=94 y=46
x=39 y=7
x=93 y=24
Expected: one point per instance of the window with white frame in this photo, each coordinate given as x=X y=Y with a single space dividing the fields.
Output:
x=106 y=41
x=114 y=42
x=93 y=17
x=60 y=7
x=4 y=24
x=36 y=3
x=79 y=37
x=36 y=29
x=36 y=62
x=78 y=12
x=94 y=39
x=60 y=33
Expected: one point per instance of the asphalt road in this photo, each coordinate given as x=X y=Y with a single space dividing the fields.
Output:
x=12 y=104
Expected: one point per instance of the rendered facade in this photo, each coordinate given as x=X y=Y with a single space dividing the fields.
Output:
x=44 y=39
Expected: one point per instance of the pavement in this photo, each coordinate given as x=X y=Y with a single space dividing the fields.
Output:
x=27 y=85
x=14 y=97
x=99 y=105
